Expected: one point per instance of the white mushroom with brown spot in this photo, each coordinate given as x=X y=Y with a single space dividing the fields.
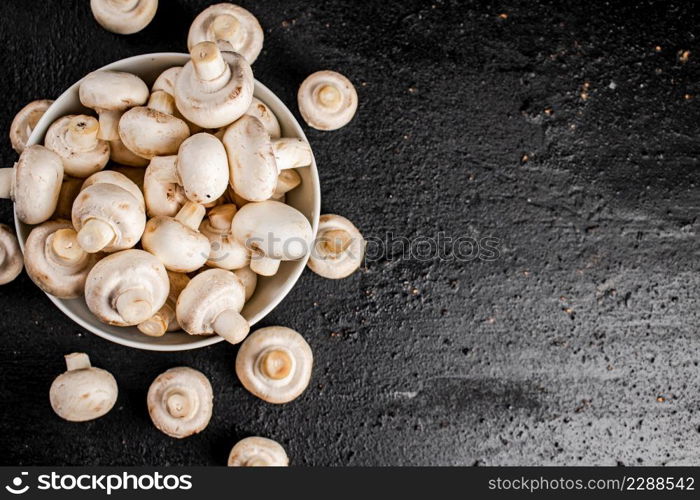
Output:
x=176 y=241
x=274 y=364
x=10 y=255
x=83 y=392
x=74 y=139
x=34 y=184
x=249 y=280
x=165 y=319
x=232 y=27
x=161 y=189
x=124 y=17
x=258 y=452
x=126 y=288
x=262 y=112
x=273 y=232
x=110 y=93
x=54 y=260
x=211 y=303
x=24 y=122
x=153 y=130
x=327 y=100
x=225 y=251
x=214 y=89
x=339 y=248
x=180 y=402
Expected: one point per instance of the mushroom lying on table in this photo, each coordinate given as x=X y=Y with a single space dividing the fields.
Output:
x=165 y=319
x=327 y=100
x=24 y=122
x=74 y=139
x=225 y=251
x=124 y=16
x=339 y=248
x=257 y=452
x=10 y=255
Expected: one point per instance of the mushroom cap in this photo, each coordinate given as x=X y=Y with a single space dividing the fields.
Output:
x=132 y=283
x=276 y=230
x=179 y=248
x=124 y=17
x=37 y=183
x=262 y=112
x=180 y=402
x=203 y=168
x=249 y=280
x=112 y=91
x=83 y=393
x=134 y=174
x=327 y=100
x=24 y=122
x=69 y=191
x=339 y=248
x=253 y=171
x=207 y=296
x=274 y=364
x=225 y=251
x=232 y=27
x=258 y=452
x=122 y=155
x=148 y=132
x=166 y=80
x=10 y=255
x=162 y=197
x=118 y=179
x=74 y=139
x=220 y=101
x=62 y=273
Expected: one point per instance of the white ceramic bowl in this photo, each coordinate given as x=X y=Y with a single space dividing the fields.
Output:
x=270 y=290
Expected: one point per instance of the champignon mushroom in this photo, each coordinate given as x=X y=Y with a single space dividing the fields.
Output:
x=118 y=179
x=226 y=252
x=10 y=255
x=166 y=80
x=124 y=17
x=54 y=260
x=249 y=280
x=327 y=100
x=180 y=402
x=214 y=89
x=24 y=122
x=291 y=153
x=126 y=288
x=70 y=188
x=339 y=248
x=109 y=216
x=176 y=241
x=253 y=171
x=33 y=184
x=110 y=93
x=153 y=130
x=257 y=452
x=165 y=320
x=161 y=188
x=119 y=153
x=83 y=392
x=74 y=139
x=286 y=181
x=232 y=27
x=262 y=112
x=273 y=232
x=202 y=168
x=211 y=303
x=274 y=364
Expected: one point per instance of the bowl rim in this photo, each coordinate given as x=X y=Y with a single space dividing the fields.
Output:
x=40 y=130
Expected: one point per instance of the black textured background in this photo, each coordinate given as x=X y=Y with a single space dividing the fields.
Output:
x=567 y=132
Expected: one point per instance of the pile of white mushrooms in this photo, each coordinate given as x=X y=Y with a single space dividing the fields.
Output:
x=164 y=207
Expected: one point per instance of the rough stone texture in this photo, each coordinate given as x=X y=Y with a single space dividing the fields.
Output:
x=569 y=133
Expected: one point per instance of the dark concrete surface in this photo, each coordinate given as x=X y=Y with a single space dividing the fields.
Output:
x=565 y=131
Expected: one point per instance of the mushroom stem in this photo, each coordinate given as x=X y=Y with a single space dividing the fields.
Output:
x=191 y=215
x=77 y=361
x=208 y=62
x=157 y=325
x=329 y=97
x=163 y=102
x=7 y=176
x=226 y=27
x=291 y=153
x=109 y=125
x=134 y=305
x=276 y=364
x=95 y=235
x=82 y=132
x=336 y=241
x=167 y=173
x=264 y=266
x=64 y=246
x=231 y=326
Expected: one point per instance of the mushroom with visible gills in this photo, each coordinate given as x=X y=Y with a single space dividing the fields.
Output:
x=34 y=184
x=274 y=364
x=339 y=248
x=10 y=255
x=74 y=139
x=24 y=122
x=54 y=260
x=83 y=392
x=110 y=93
x=232 y=27
x=126 y=288
x=257 y=452
x=180 y=402
x=124 y=17
x=327 y=100
x=161 y=188
x=211 y=303
x=226 y=252
x=165 y=320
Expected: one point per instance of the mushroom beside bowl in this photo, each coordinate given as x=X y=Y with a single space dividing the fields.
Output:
x=270 y=290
